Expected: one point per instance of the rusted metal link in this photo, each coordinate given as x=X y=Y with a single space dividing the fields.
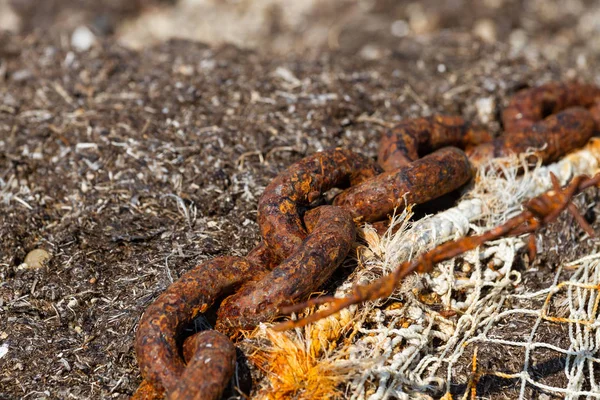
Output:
x=211 y=356
x=282 y=223
x=532 y=105
x=156 y=343
x=425 y=179
x=301 y=247
x=207 y=353
x=304 y=272
x=411 y=139
x=552 y=138
x=149 y=391
x=595 y=110
x=281 y=206
x=551 y=118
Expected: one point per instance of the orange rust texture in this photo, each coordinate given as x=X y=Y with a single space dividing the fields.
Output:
x=280 y=207
x=552 y=138
x=299 y=275
x=414 y=138
x=595 y=110
x=210 y=358
x=427 y=178
x=156 y=343
x=532 y=105
x=148 y=391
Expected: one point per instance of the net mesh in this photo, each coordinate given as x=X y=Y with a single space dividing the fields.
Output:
x=475 y=325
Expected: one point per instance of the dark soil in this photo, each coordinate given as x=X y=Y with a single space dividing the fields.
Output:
x=131 y=167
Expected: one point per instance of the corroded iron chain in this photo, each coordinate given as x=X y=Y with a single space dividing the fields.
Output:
x=302 y=245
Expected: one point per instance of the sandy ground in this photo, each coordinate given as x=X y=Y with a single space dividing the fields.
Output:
x=128 y=167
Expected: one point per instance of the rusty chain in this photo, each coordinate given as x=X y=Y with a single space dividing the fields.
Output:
x=302 y=246
x=539 y=211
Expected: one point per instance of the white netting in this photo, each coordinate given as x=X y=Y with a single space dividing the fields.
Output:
x=411 y=346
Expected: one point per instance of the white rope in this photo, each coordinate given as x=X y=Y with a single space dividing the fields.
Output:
x=479 y=311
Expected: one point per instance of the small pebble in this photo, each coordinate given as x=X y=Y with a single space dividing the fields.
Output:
x=37 y=258
x=21 y=75
x=3 y=349
x=400 y=28
x=82 y=38
x=371 y=52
